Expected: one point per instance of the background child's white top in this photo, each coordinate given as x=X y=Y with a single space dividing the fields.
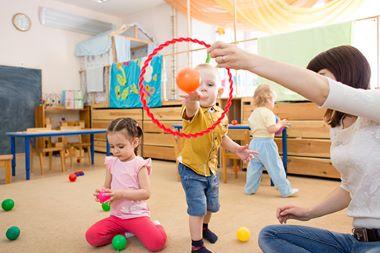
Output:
x=125 y=176
x=259 y=120
x=355 y=151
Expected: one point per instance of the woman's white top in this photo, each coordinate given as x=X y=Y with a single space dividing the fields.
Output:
x=355 y=150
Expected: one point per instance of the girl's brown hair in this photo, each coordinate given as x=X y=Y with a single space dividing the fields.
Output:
x=262 y=95
x=349 y=66
x=130 y=127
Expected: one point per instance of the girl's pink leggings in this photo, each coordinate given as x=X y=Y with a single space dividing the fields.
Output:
x=152 y=236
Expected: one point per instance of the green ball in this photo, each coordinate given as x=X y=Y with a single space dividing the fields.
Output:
x=7 y=204
x=106 y=206
x=13 y=233
x=119 y=242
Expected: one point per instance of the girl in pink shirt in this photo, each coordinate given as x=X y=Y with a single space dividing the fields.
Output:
x=127 y=183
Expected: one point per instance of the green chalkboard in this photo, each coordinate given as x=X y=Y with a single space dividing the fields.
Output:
x=20 y=93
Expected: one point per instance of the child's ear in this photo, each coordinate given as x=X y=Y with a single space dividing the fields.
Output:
x=220 y=91
x=136 y=142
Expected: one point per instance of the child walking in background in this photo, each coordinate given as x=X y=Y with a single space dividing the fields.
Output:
x=198 y=160
x=262 y=122
x=127 y=183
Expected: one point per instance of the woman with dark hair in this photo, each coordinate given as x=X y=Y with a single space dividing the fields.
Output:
x=337 y=79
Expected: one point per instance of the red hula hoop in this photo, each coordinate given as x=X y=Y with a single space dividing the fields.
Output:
x=147 y=109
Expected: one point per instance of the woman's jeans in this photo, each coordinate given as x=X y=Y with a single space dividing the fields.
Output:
x=300 y=239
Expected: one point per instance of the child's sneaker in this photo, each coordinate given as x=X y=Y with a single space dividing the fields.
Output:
x=129 y=235
x=292 y=193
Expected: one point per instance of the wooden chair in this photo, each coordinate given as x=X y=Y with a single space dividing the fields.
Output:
x=44 y=146
x=6 y=161
x=75 y=143
x=238 y=135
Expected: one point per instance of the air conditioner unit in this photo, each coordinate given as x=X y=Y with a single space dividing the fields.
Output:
x=74 y=23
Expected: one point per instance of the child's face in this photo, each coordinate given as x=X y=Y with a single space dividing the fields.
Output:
x=210 y=86
x=121 y=146
x=271 y=102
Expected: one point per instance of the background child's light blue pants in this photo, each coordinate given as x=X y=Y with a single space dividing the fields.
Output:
x=269 y=160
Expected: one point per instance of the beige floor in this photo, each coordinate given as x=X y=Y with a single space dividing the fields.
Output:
x=54 y=214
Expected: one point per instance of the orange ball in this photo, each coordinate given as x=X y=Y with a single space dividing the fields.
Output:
x=188 y=80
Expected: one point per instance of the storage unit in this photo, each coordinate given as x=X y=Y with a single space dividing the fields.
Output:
x=308 y=137
x=158 y=144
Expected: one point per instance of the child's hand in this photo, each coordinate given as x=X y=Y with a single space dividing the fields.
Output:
x=192 y=97
x=97 y=191
x=115 y=194
x=244 y=153
x=292 y=212
x=284 y=123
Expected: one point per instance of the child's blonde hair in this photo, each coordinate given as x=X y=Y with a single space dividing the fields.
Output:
x=212 y=68
x=263 y=94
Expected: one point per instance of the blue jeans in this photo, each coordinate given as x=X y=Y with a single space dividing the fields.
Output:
x=202 y=193
x=300 y=239
x=269 y=160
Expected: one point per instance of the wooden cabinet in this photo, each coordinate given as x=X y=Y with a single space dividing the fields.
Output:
x=158 y=144
x=54 y=115
x=308 y=137
x=102 y=117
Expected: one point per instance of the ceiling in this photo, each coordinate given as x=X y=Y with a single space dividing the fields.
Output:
x=119 y=8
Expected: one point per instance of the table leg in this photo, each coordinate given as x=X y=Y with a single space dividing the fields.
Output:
x=13 y=151
x=92 y=149
x=27 y=158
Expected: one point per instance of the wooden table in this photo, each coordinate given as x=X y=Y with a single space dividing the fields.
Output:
x=29 y=135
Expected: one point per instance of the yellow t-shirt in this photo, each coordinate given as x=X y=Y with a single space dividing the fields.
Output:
x=259 y=120
x=201 y=153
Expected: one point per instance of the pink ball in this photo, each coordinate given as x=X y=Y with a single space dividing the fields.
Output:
x=103 y=198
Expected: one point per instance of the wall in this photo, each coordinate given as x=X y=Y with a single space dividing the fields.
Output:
x=42 y=47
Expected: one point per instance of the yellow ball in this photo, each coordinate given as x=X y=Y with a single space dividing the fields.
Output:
x=243 y=234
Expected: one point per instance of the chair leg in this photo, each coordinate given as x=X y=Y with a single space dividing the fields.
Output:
x=31 y=157
x=50 y=160
x=72 y=153
x=236 y=167
x=41 y=155
x=63 y=160
x=8 y=171
x=89 y=156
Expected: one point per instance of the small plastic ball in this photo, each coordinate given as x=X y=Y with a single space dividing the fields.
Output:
x=243 y=234
x=7 y=204
x=106 y=206
x=12 y=233
x=102 y=197
x=119 y=242
x=72 y=177
x=234 y=122
x=188 y=80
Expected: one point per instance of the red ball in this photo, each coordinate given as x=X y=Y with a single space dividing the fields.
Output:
x=234 y=122
x=188 y=80
x=72 y=177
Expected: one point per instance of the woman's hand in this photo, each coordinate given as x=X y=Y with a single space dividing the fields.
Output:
x=230 y=56
x=292 y=212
